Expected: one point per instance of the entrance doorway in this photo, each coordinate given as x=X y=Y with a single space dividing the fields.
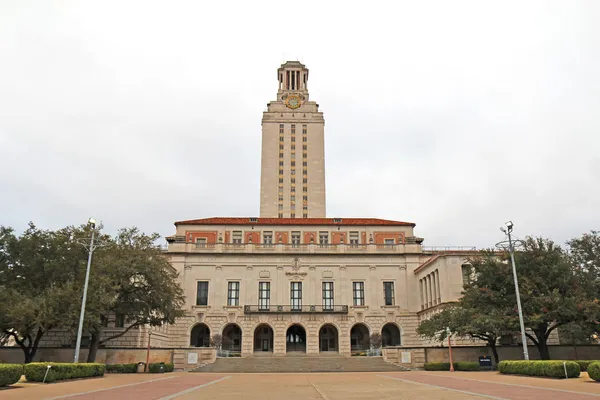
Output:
x=328 y=338
x=295 y=339
x=232 y=338
x=200 y=336
x=390 y=335
x=263 y=338
x=359 y=338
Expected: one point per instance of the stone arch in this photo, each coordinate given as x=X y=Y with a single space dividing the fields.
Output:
x=263 y=338
x=360 y=337
x=295 y=338
x=232 y=337
x=199 y=335
x=391 y=335
x=329 y=338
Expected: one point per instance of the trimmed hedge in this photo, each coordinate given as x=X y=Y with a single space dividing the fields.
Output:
x=583 y=364
x=34 y=372
x=552 y=369
x=122 y=368
x=10 y=373
x=593 y=370
x=154 y=368
x=458 y=366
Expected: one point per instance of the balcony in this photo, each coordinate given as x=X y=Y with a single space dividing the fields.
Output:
x=180 y=246
x=289 y=309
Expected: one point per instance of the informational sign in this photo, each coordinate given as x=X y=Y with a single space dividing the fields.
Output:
x=485 y=362
x=406 y=357
x=192 y=358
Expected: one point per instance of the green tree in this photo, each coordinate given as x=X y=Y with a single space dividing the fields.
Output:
x=36 y=285
x=131 y=278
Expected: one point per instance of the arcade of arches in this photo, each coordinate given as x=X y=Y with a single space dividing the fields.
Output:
x=264 y=339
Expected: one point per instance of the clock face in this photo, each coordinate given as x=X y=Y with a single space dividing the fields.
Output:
x=293 y=102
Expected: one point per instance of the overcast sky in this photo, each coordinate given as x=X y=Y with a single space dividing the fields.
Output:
x=457 y=116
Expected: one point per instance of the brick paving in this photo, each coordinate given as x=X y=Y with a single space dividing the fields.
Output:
x=327 y=386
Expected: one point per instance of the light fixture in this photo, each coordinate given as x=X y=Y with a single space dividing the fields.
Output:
x=92 y=222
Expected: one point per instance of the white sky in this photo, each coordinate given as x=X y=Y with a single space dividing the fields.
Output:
x=457 y=116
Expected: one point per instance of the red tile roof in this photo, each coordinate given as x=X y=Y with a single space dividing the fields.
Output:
x=292 y=221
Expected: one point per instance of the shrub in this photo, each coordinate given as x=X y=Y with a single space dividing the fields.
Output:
x=593 y=370
x=552 y=369
x=34 y=372
x=155 y=367
x=10 y=373
x=122 y=368
x=458 y=366
x=466 y=366
x=583 y=364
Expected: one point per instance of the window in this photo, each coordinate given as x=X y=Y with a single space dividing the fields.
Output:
x=353 y=238
x=233 y=294
x=293 y=138
x=293 y=163
x=358 y=289
x=327 y=296
x=280 y=198
x=280 y=215
x=237 y=237
x=280 y=129
x=305 y=189
x=293 y=128
x=280 y=180
x=304 y=129
x=304 y=147
x=293 y=206
x=292 y=180
x=281 y=148
x=323 y=238
x=304 y=139
x=119 y=321
x=293 y=198
x=304 y=215
x=264 y=295
x=466 y=274
x=305 y=198
x=293 y=189
x=281 y=138
x=280 y=155
x=268 y=237
x=304 y=180
x=293 y=147
x=281 y=163
x=390 y=242
x=293 y=155
x=292 y=215
x=280 y=172
x=200 y=242
x=296 y=295
x=304 y=163
x=280 y=207
x=295 y=238
x=388 y=293
x=202 y=294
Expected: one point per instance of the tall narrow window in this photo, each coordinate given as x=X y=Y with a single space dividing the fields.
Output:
x=120 y=321
x=264 y=295
x=202 y=293
x=200 y=242
x=233 y=294
x=237 y=237
x=281 y=129
x=268 y=238
x=323 y=238
x=296 y=296
x=358 y=289
x=353 y=238
x=295 y=238
x=388 y=293
x=327 y=296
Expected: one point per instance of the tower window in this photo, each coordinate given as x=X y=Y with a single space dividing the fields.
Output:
x=304 y=139
x=280 y=180
x=293 y=146
x=281 y=129
x=281 y=163
x=281 y=146
x=280 y=155
x=303 y=129
x=281 y=138
x=293 y=138
x=305 y=189
x=304 y=147
x=293 y=128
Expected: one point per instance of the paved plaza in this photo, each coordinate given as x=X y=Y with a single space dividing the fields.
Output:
x=330 y=386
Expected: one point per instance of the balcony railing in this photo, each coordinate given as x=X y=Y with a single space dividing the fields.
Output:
x=181 y=246
x=256 y=309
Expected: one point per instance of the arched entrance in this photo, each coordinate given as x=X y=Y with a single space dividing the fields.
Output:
x=328 y=338
x=232 y=338
x=200 y=336
x=390 y=335
x=263 y=338
x=359 y=337
x=295 y=339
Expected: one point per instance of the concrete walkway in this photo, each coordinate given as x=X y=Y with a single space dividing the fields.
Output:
x=325 y=386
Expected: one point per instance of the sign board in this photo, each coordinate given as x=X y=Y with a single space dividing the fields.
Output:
x=192 y=358
x=406 y=357
x=485 y=361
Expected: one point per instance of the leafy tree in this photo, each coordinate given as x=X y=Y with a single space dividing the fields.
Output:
x=36 y=285
x=131 y=278
x=375 y=340
x=216 y=341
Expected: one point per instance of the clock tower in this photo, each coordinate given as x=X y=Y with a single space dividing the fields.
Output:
x=292 y=181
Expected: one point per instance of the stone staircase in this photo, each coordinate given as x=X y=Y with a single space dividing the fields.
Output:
x=299 y=364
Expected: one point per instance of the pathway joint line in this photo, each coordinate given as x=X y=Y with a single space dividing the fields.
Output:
x=446 y=388
x=318 y=391
x=175 y=395
x=110 y=388
x=519 y=385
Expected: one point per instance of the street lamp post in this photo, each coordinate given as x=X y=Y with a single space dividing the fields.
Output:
x=511 y=249
x=92 y=223
x=448 y=333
